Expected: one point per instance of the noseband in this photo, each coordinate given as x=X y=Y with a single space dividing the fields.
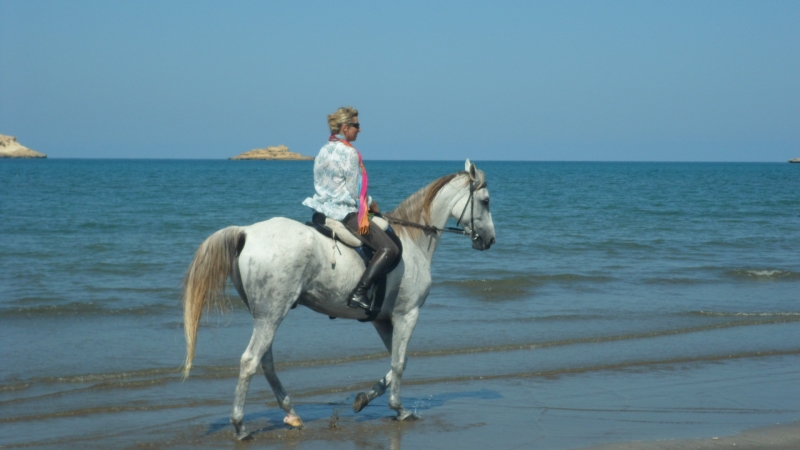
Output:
x=473 y=186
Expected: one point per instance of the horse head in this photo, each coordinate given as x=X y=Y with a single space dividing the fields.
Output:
x=473 y=213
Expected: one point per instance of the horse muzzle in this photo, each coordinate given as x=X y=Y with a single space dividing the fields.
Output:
x=480 y=244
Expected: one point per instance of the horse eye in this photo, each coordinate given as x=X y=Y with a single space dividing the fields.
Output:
x=485 y=201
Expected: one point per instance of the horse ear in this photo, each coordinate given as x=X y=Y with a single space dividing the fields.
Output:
x=471 y=170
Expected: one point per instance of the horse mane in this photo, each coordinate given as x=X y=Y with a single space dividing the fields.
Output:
x=417 y=207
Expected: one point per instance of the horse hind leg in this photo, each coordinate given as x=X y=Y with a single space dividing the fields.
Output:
x=260 y=343
x=291 y=419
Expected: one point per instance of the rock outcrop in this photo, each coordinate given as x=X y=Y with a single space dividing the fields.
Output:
x=280 y=152
x=796 y=160
x=10 y=148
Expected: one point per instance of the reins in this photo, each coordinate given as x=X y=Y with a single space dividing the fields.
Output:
x=429 y=229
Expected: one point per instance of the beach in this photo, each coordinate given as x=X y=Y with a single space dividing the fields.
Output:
x=777 y=438
x=625 y=305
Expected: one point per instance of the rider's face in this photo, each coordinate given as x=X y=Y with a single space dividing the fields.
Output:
x=350 y=132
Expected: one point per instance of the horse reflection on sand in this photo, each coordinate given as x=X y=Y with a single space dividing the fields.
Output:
x=280 y=263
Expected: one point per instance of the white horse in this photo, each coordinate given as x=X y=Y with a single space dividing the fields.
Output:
x=280 y=263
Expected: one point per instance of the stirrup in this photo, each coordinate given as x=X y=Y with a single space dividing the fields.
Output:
x=353 y=302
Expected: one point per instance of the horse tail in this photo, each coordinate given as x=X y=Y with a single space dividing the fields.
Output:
x=205 y=281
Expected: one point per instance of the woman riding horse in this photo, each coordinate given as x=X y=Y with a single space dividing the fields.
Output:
x=340 y=181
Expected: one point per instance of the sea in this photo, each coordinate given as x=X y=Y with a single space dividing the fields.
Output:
x=622 y=302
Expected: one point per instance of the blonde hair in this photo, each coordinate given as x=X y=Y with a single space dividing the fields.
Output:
x=343 y=115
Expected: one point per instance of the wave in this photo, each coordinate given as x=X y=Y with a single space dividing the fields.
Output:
x=172 y=292
x=581 y=245
x=508 y=289
x=82 y=309
x=105 y=377
x=12 y=387
x=607 y=367
x=534 y=319
x=759 y=320
x=127 y=269
x=676 y=281
x=109 y=306
x=111 y=409
x=732 y=244
x=711 y=274
x=573 y=278
x=762 y=275
x=745 y=314
x=516 y=287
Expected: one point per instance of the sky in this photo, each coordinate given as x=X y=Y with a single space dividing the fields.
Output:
x=432 y=80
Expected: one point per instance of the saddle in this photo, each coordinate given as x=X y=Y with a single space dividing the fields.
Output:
x=335 y=230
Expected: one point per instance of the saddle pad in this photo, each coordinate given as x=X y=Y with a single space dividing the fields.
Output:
x=342 y=233
x=346 y=236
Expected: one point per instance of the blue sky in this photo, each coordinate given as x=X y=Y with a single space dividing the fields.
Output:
x=613 y=81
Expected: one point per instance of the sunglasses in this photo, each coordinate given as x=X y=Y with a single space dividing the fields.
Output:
x=357 y=126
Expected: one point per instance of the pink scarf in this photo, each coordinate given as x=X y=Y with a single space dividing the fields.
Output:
x=363 y=212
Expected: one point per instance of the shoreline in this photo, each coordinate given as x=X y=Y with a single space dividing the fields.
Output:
x=775 y=437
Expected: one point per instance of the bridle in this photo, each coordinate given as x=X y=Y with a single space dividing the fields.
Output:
x=429 y=229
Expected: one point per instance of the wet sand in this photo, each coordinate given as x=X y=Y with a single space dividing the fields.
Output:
x=779 y=437
x=664 y=406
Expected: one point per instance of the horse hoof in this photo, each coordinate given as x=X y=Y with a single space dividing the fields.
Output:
x=407 y=415
x=242 y=436
x=293 y=421
x=361 y=401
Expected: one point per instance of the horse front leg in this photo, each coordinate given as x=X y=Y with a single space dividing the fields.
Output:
x=403 y=327
x=385 y=330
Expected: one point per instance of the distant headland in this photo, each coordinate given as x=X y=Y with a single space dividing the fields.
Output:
x=279 y=152
x=796 y=160
x=10 y=148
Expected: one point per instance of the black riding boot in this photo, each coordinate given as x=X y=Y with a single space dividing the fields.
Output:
x=378 y=266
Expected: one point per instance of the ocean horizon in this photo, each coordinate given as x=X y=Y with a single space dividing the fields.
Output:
x=433 y=160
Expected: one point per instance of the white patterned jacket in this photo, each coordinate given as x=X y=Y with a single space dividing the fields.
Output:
x=337 y=181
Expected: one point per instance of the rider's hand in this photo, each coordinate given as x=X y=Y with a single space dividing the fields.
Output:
x=373 y=208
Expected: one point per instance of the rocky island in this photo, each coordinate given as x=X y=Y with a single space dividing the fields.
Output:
x=279 y=152
x=10 y=148
x=796 y=160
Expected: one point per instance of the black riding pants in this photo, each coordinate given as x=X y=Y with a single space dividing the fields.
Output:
x=376 y=239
